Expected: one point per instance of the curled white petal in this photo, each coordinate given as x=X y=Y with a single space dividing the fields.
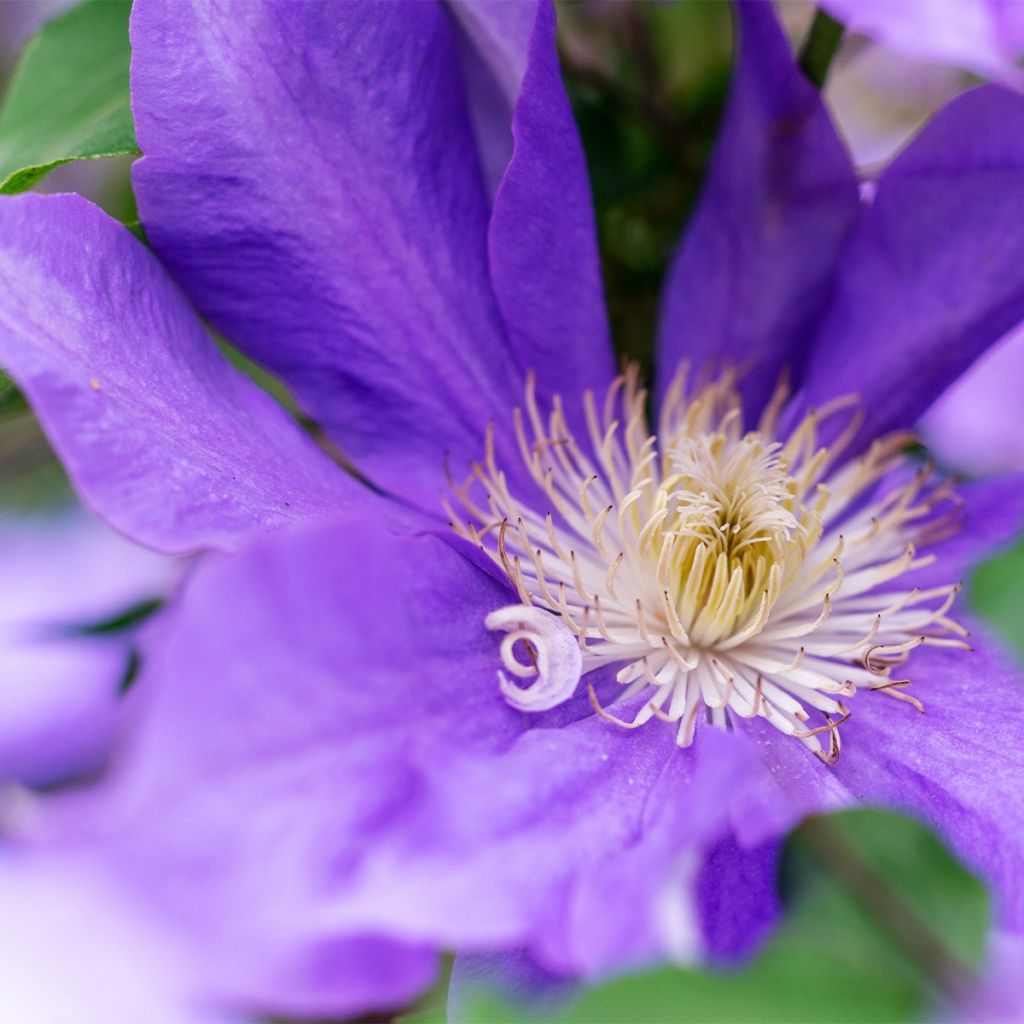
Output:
x=555 y=660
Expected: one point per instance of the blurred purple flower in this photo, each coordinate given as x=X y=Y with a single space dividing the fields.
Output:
x=326 y=783
x=75 y=948
x=985 y=36
x=975 y=425
x=880 y=99
x=59 y=686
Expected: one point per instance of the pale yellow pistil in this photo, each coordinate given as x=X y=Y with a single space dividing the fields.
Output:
x=730 y=572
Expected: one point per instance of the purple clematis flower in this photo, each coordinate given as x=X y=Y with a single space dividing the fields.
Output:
x=576 y=723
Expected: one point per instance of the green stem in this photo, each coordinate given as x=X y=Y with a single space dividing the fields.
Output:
x=820 y=47
x=826 y=841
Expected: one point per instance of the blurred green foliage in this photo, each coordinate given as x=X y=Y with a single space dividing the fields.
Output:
x=882 y=924
x=997 y=592
x=647 y=83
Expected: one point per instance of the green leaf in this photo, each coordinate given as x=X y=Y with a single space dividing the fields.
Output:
x=997 y=592
x=68 y=99
x=127 y=618
x=881 y=920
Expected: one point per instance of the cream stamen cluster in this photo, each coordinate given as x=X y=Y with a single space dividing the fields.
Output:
x=728 y=572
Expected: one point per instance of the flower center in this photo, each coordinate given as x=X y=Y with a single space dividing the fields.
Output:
x=726 y=572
